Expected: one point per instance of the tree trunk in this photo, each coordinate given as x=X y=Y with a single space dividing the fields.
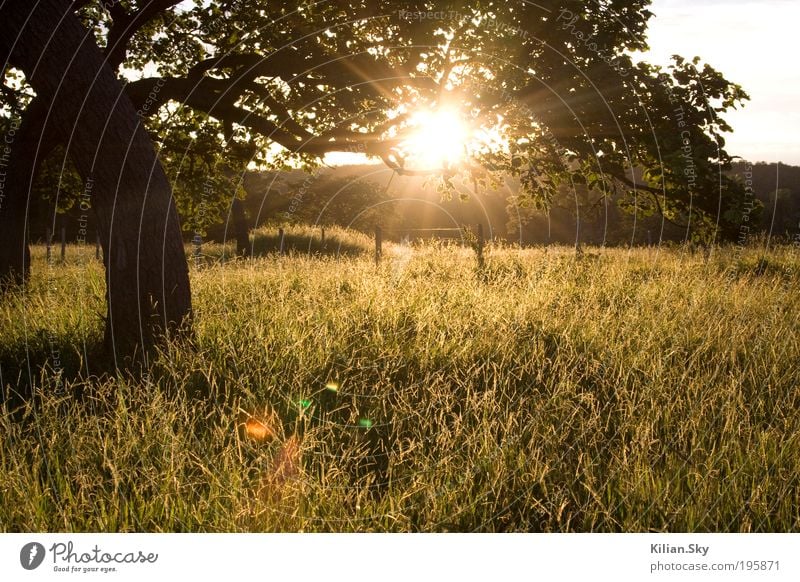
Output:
x=15 y=256
x=25 y=147
x=146 y=271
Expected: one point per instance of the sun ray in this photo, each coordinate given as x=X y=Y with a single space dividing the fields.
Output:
x=437 y=139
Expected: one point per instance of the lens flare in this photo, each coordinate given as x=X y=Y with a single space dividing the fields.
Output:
x=258 y=430
x=438 y=139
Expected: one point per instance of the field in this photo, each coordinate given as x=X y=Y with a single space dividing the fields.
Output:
x=622 y=390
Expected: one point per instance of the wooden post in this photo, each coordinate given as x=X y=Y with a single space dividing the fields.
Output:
x=378 y=244
x=197 y=240
x=63 y=244
x=48 y=236
x=97 y=247
x=280 y=241
x=479 y=246
x=240 y=226
x=322 y=238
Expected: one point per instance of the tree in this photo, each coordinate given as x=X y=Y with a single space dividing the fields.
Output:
x=553 y=84
x=351 y=200
x=146 y=274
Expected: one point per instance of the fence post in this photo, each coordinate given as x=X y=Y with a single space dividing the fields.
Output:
x=48 y=236
x=63 y=244
x=97 y=247
x=322 y=238
x=240 y=226
x=479 y=247
x=378 y=244
x=280 y=242
x=197 y=240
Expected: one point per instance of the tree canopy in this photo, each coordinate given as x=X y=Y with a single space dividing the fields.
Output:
x=559 y=86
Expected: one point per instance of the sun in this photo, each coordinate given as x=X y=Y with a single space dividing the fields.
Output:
x=437 y=139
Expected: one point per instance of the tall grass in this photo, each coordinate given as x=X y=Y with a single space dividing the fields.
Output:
x=626 y=390
x=297 y=240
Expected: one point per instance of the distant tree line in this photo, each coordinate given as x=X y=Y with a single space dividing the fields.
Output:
x=358 y=197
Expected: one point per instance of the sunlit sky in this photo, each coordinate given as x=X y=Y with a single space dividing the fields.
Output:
x=753 y=44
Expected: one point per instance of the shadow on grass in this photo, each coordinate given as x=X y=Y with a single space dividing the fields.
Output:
x=50 y=363
x=763 y=267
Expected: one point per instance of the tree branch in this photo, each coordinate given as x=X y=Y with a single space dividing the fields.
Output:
x=208 y=96
x=654 y=192
x=125 y=25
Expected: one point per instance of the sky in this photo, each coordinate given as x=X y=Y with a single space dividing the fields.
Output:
x=754 y=44
x=751 y=43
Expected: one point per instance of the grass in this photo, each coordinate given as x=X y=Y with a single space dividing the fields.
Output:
x=301 y=239
x=297 y=240
x=626 y=390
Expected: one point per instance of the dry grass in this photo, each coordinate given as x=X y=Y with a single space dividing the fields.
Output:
x=628 y=390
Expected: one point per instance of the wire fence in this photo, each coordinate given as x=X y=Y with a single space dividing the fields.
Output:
x=468 y=236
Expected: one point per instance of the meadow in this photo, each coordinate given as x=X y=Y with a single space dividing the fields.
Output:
x=646 y=389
